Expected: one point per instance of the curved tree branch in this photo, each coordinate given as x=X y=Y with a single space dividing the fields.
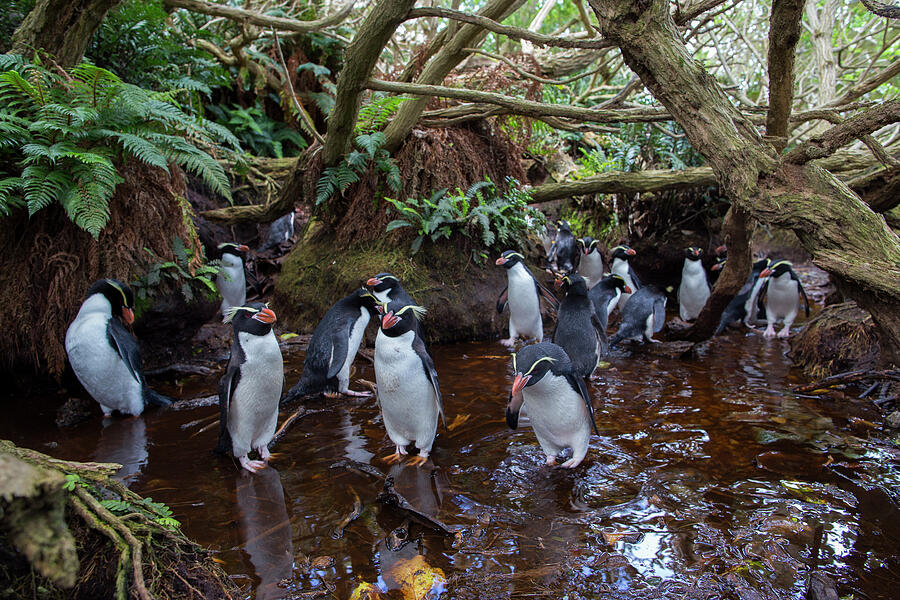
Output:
x=881 y=9
x=844 y=133
x=248 y=16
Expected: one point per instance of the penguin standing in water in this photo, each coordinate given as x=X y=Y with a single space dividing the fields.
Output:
x=251 y=387
x=578 y=332
x=231 y=281
x=780 y=294
x=736 y=309
x=104 y=355
x=591 y=265
x=522 y=293
x=694 y=289
x=333 y=347
x=565 y=255
x=621 y=267
x=407 y=383
x=281 y=230
x=605 y=295
x=557 y=399
x=644 y=314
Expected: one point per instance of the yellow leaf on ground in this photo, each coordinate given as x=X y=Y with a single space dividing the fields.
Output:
x=366 y=591
x=417 y=579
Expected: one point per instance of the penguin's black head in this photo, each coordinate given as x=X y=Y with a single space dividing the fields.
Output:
x=693 y=253
x=382 y=282
x=119 y=295
x=777 y=269
x=563 y=226
x=572 y=283
x=530 y=365
x=760 y=265
x=722 y=251
x=255 y=318
x=239 y=250
x=509 y=259
x=399 y=321
x=588 y=245
x=615 y=280
x=622 y=252
x=368 y=301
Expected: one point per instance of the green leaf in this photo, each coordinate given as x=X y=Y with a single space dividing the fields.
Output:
x=397 y=224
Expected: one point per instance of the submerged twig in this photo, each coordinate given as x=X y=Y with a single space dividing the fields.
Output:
x=850 y=377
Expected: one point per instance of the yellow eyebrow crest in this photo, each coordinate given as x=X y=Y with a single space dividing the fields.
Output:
x=538 y=361
x=418 y=311
x=231 y=312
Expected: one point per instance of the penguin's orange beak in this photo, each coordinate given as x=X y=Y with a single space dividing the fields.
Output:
x=721 y=250
x=516 y=399
x=765 y=273
x=630 y=252
x=500 y=261
x=557 y=283
x=372 y=282
x=628 y=289
x=696 y=253
x=266 y=315
x=519 y=383
x=716 y=267
x=243 y=248
x=128 y=315
x=389 y=320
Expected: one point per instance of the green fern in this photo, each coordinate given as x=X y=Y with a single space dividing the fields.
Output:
x=62 y=137
x=375 y=114
x=334 y=180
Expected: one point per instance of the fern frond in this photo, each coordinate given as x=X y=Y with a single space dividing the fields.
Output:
x=139 y=148
x=371 y=142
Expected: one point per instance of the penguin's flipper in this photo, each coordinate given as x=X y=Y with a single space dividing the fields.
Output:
x=227 y=385
x=580 y=386
x=547 y=294
x=339 y=345
x=155 y=398
x=502 y=299
x=127 y=347
x=659 y=314
x=431 y=373
x=600 y=331
x=802 y=292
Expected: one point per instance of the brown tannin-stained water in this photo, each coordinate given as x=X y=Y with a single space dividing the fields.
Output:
x=709 y=479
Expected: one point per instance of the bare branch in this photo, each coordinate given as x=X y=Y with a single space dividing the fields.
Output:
x=840 y=135
x=620 y=182
x=869 y=84
x=881 y=9
x=281 y=23
x=528 y=75
x=784 y=32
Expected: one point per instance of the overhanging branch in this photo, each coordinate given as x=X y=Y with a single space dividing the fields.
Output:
x=621 y=182
x=248 y=16
x=856 y=127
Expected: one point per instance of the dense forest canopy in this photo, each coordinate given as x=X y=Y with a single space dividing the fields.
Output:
x=780 y=105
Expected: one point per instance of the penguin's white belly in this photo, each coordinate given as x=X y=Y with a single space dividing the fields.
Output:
x=253 y=411
x=693 y=291
x=406 y=396
x=591 y=268
x=356 y=335
x=620 y=267
x=524 y=304
x=613 y=302
x=558 y=416
x=383 y=296
x=782 y=298
x=750 y=306
x=232 y=285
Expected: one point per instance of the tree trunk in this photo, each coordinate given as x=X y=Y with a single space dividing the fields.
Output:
x=841 y=233
x=63 y=28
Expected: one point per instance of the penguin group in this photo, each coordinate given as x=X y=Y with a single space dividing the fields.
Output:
x=550 y=378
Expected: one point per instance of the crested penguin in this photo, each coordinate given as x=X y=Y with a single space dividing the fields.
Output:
x=578 y=331
x=564 y=256
x=333 y=347
x=407 y=383
x=104 y=355
x=716 y=269
x=621 y=267
x=523 y=293
x=591 y=266
x=736 y=309
x=557 y=399
x=754 y=309
x=780 y=294
x=230 y=281
x=644 y=314
x=605 y=296
x=390 y=294
x=251 y=387
x=281 y=230
x=694 y=288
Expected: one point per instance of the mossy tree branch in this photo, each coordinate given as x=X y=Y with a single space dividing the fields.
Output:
x=241 y=15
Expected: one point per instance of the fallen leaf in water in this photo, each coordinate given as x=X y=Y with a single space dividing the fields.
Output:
x=603 y=364
x=366 y=591
x=416 y=578
x=287 y=336
x=322 y=562
x=458 y=420
x=779 y=420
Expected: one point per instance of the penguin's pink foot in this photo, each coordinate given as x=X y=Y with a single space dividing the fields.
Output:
x=251 y=465
x=551 y=461
x=357 y=394
x=396 y=457
x=572 y=463
x=785 y=332
x=332 y=395
x=418 y=460
x=264 y=453
x=508 y=342
x=770 y=332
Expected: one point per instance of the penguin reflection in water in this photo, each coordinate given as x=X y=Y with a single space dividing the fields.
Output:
x=523 y=293
x=557 y=400
x=407 y=383
x=251 y=387
x=104 y=355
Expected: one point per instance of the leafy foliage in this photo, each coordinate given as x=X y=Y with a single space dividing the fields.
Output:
x=61 y=135
x=641 y=146
x=155 y=511
x=190 y=272
x=335 y=180
x=374 y=115
x=481 y=213
x=257 y=132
